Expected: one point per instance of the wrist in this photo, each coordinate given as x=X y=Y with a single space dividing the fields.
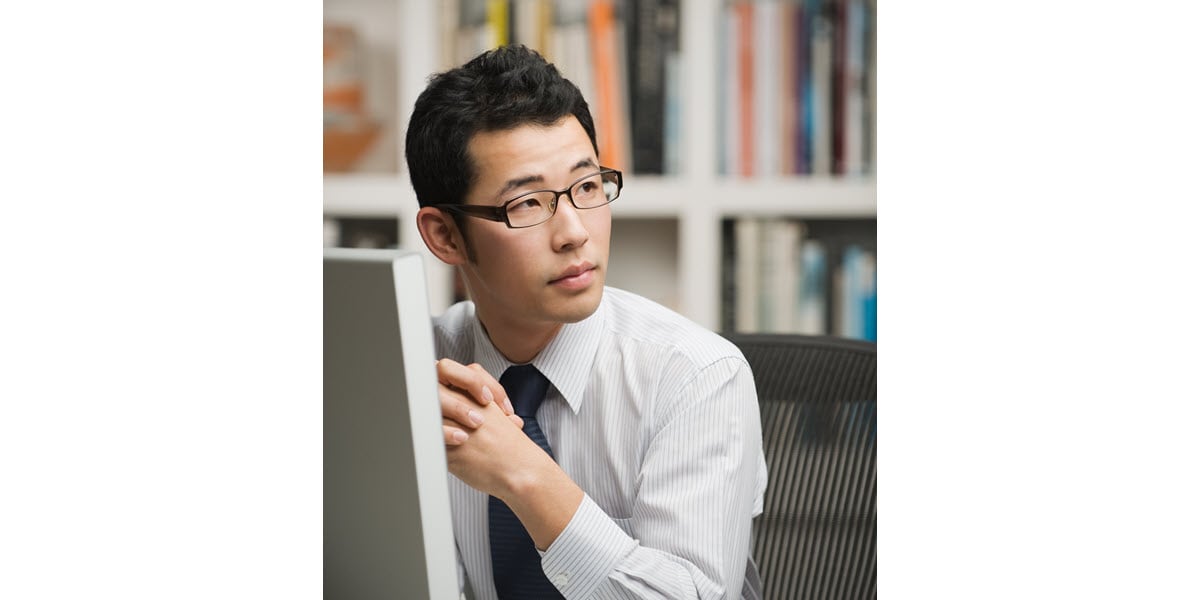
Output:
x=530 y=480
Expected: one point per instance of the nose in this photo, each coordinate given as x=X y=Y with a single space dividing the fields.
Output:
x=569 y=231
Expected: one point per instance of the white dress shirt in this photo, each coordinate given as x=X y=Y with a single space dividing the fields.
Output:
x=656 y=419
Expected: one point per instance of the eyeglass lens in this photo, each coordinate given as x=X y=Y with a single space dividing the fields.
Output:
x=592 y=191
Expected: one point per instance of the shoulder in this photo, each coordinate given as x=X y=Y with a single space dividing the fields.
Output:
x=635 y=321
x=452 y=331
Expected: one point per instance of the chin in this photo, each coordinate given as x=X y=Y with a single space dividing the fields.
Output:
x=578 y=308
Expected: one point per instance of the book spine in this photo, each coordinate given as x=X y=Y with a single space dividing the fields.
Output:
x=729 y=137
x=612 y=121
x=651 y=29
x=746 y=234
x=838 y=86
x=498 y=18
x=868 y=292
x=779 y=277
x=821 y=94
x=673 y=114
x=802 y=81
x=767 y=115
x=729 y=265
x=744 y=15
x=813 y=293
x=787 y=88
x=568 y=40
x=869 y=87
x=854 y=114
x=531 y=23
x=850 y=299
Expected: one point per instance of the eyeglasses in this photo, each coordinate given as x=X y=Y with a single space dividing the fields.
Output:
x=535 y=208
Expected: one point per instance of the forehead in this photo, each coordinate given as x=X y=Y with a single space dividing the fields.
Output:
x=528 y=151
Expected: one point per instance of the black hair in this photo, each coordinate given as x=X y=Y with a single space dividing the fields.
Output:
x=498 y=90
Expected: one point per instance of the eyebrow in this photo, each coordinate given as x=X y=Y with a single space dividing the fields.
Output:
x=512 y=184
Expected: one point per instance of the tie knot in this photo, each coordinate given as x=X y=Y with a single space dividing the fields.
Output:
x=526 y=387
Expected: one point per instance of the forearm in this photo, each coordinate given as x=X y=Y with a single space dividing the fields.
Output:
x=595 y=557
x=544 y=499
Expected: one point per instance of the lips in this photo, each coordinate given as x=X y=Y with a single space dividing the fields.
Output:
x=574 y=270
x=575 y=276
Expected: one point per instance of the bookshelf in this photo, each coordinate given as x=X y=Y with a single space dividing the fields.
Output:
x=667 y=229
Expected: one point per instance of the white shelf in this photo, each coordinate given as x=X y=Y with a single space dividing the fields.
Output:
x=368 y=195
x=800 y=197
x=643 y=197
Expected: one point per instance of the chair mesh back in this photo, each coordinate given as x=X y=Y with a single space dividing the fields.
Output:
x=816 y=536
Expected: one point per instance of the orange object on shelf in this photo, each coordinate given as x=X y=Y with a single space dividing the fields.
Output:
x=349 y=132
x=345 y=146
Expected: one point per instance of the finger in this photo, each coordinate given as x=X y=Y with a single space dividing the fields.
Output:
x=454 y=436
x=473 y=380
x=517 y=420
x=491 y=390
x=457 y=408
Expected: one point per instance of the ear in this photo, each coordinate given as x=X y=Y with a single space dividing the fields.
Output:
x=441 y=236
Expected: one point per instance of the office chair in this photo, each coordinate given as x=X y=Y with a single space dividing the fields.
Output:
x=816 y=536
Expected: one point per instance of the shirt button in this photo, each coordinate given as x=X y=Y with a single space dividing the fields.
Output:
x=560 y=580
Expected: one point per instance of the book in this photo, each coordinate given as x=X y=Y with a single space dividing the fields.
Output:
x=854 y=112
x=820 y=93
x=475 y=31
x=729 y=295
x=728 y=104
x=767 y=82
x=531 y=22
x=608 y=57
x=811 y=298
x=569 y=51
x=779 y=275
x=743 y=41
x=746 y=275
x=673 y=109
x=856 y=293
x=837 y=85
x=868 y=150
x=498 y=20
x=652 y=34
x=869 y=297
x=801 y=130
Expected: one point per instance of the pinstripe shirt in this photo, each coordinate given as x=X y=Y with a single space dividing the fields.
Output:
x=656 y=419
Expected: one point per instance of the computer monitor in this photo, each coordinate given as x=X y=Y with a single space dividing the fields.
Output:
x=388 y=531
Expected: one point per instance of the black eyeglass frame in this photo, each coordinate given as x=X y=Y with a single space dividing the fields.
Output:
x=500 y=213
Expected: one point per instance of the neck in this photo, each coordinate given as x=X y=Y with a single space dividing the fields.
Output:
x=518 y=343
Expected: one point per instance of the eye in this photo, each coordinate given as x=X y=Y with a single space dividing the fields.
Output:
x=524 y=204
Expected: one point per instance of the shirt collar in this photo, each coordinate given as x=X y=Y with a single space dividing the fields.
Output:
x=566 y=361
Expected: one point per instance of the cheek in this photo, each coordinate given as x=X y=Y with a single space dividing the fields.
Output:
x=600 y=229
x=507 y=260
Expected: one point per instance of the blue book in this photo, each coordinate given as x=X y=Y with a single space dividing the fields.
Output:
x=869 y=294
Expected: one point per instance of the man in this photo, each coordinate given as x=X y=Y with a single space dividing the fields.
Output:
x=633 y=465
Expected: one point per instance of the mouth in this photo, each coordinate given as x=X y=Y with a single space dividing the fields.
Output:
x=576 y=277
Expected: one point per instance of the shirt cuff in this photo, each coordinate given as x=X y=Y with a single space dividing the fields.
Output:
x=586 y=551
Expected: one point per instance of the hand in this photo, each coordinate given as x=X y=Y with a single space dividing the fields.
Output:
x=499 y=459
x=463 y=390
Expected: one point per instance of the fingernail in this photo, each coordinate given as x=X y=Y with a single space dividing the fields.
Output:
x=508 y=405
x=475 y=417
x=487 y=395
x=459 y=436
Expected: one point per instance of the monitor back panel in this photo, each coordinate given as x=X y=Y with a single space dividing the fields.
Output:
x=386 y=504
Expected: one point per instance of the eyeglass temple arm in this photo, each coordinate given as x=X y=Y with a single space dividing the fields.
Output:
x=491 y=213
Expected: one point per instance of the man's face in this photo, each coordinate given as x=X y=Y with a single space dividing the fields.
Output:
x=548 y=273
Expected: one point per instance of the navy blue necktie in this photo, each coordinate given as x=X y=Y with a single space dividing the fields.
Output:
x=516 y=566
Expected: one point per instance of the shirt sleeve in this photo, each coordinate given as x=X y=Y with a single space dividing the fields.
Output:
x=689 y=533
